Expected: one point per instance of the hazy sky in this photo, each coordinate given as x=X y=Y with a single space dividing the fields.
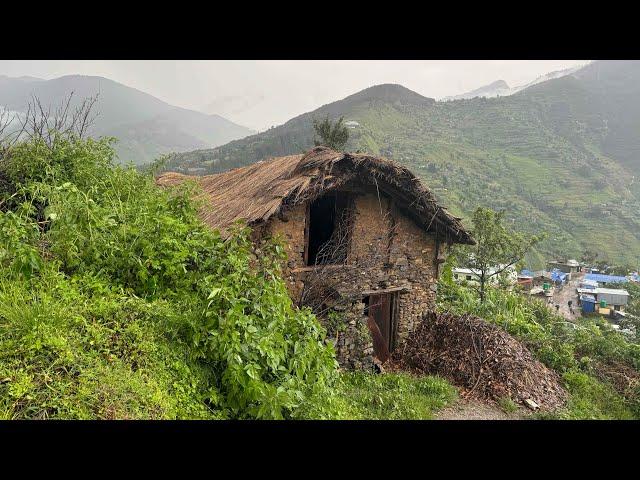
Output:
x=263 y=93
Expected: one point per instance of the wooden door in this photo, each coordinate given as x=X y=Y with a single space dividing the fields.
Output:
x=380 y=323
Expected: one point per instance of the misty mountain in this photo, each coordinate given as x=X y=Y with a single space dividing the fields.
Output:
x=144 y=125
x=499 y=88
x=246 y=109
x=560 y=156
x=494 y=89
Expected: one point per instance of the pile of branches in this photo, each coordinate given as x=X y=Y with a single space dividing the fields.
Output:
x=482 y=359
x=624 y=378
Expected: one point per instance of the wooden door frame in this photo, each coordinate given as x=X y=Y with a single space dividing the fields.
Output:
x=394 y=309
x=395 y=312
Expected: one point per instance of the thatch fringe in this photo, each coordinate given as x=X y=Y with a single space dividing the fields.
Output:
x=257 y=192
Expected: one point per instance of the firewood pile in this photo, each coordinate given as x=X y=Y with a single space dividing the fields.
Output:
x=480 y=358
x=624 y=378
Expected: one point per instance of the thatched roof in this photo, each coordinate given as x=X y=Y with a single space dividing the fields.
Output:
x=259 y=191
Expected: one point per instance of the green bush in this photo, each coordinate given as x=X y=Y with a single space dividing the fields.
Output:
x=117 y=302
x=75 y=348
x=18 y=246
x=592 y=400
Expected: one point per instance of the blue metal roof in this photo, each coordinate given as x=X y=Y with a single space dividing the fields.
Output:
x=526 y=273
x=557 y=275
x=598 y=277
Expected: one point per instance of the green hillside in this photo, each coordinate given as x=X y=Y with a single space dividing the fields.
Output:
x=145 y=126
x=559 y=156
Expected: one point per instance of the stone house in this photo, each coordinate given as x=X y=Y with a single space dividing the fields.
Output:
x=365 y=240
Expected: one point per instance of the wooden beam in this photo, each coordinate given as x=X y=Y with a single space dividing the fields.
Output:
x=401 y=289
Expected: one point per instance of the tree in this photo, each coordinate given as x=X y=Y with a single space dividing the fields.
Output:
x=589 y=256
x=497 y=248
x=331 y=134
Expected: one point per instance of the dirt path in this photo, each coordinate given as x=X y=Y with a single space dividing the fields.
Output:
x=566 y=293
x=475 y=410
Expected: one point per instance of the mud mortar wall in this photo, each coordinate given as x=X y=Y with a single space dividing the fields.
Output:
x=388 y=251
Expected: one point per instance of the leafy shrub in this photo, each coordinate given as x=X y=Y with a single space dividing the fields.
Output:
x=64 y=159
x=267 y=353
x=18 y=251
x=592 y=400
x=117 y=302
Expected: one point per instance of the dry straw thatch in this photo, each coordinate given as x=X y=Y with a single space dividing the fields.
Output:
x=257 y=192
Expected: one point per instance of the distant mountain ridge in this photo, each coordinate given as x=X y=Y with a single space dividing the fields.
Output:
x=145 y=126
x=494 y=89
x=499 y=88
x=560 y=156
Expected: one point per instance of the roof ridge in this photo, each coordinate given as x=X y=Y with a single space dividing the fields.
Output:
x=280 y=182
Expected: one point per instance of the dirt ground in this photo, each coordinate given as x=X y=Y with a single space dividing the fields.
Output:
x=563 y=295
x=476 y=410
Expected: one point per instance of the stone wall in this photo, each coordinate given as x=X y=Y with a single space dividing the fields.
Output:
x=388 y=250
x=290 y=228
x=351 y=339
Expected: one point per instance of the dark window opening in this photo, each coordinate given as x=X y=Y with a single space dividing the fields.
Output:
x=329 y=224
x=365 y=300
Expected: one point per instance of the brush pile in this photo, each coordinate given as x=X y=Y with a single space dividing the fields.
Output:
x=482 y=359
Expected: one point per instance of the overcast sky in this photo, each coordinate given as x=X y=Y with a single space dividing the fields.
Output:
x=259 y=94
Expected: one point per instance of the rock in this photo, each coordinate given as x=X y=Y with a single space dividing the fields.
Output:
x=402 y=261
x=531 y=404
x=377 y=365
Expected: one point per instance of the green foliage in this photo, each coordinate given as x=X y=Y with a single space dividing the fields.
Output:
x=18 y=245
x=76 y=348
x=268 y=354
x=117 y=302
x=507 y=405
x=633 y=309
x=334 y=322
x=591 y=400
x=65 y=159
x=497 y=247
x=389 y=396
x=331 y=134
x=125 y=228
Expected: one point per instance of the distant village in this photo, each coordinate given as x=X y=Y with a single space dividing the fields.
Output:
x=573 y=288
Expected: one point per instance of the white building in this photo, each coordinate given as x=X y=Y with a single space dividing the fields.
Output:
x=473 y=276
x=615 y=298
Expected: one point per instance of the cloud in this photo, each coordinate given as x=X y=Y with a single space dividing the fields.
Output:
x=286 y=88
